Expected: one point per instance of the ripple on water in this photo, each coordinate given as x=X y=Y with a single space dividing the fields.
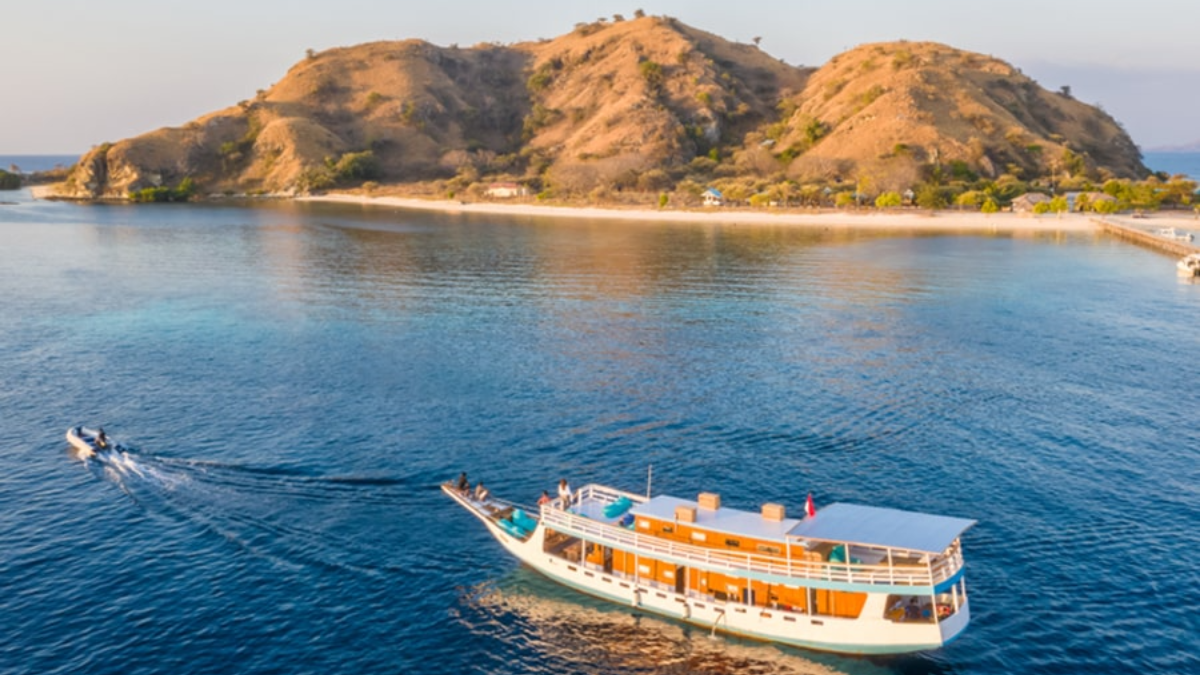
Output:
x=296 y=381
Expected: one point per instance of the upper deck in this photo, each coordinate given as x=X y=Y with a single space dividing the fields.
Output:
x=845 y=546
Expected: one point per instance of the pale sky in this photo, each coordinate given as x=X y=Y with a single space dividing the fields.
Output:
x=77 y=73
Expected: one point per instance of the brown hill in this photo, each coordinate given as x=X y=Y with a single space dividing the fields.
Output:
x=642 y=103
x=887 y=109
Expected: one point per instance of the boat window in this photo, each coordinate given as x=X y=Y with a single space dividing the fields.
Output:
x=773 y=550
x=908 y=609
x=667 y=529
x=733 y=543
x=699 y=536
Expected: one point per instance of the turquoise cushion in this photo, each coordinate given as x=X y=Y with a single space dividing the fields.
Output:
x=838 y=554
x=512 y=529
x=523 y=521
x=617 y=508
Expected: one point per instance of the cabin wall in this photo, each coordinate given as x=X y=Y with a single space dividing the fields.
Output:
x=732 y=588
x=690 y=533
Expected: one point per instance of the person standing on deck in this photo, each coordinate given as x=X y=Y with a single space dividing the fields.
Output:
x=564 y=492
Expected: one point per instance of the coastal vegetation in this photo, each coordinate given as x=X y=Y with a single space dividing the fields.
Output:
x=180 y=193
x=9 y=181
x=629 y=111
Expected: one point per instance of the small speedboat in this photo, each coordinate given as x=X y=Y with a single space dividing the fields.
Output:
x=88 y=442
x=1172 y=233
x=1189 y=266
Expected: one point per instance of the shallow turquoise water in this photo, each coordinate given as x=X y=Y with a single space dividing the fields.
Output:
x=296 y=381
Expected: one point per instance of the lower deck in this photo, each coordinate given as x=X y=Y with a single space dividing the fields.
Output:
x=712 y=587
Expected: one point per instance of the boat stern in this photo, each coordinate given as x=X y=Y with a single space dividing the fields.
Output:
x=953 y=625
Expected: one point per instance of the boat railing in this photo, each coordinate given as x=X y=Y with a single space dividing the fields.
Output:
x=883 y=573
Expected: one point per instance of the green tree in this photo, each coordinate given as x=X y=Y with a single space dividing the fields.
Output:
x=930 y=196
x=888 y=200
x=972 y=198
x=356 y=166
x=1059 y=205
x=663 y=200
x=990 y=206
x=9 y=181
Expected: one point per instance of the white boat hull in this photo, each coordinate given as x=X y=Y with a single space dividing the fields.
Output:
x=1189 y=266
x=871 y=633
x=85 y=443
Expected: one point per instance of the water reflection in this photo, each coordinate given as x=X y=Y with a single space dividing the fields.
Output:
x=567 y=630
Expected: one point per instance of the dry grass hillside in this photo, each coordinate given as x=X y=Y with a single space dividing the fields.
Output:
x=645 y=104
x=885 y=110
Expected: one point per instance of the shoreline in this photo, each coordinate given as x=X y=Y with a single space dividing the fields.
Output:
x=946 y=220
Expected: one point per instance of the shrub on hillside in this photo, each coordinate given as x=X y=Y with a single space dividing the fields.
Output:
x=652 y=72
x=180 y=193
x=355 y=166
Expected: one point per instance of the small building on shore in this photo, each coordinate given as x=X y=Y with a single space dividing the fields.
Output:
x=506 y=190
x=713 y=197
x=1026 y=202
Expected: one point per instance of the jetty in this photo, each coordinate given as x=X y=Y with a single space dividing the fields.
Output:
x=1147 y=238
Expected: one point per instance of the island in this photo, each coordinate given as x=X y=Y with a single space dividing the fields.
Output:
x=646 y=113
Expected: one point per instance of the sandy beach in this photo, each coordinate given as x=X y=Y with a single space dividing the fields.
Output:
x=964 y=221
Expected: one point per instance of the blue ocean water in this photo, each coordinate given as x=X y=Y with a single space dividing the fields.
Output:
x=296 y=380
x=1186 y=163
x=31 y=163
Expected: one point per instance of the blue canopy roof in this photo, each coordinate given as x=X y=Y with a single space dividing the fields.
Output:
x=875 y=526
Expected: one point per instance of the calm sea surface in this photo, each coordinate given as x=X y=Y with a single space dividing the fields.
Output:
x=31 y=163
x=1186 y=163
x=296 y=381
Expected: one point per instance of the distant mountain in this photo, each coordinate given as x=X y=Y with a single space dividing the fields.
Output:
x=644 y=103
x=1194 y=146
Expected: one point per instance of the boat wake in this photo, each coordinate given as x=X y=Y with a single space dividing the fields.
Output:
x=294 y=519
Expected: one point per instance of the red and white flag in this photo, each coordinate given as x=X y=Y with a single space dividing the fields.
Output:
x=810 y=509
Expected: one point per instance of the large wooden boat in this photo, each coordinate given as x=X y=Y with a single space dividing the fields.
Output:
x=848 y=578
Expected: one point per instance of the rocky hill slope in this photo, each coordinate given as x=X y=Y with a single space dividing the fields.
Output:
x=639 y=104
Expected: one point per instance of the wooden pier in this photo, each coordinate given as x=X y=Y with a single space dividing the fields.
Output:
x=1147 y=239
